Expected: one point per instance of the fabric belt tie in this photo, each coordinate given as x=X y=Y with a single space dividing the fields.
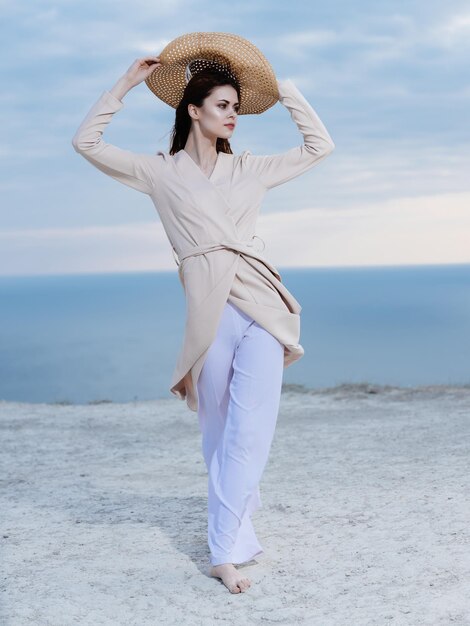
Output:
x=246 y=246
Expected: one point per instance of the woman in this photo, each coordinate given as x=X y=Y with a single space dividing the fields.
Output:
x=242 y=324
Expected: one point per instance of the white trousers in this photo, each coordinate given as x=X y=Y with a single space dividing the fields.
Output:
x=239 y=390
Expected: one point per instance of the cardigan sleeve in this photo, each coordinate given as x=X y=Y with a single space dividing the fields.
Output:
x=131 y=168
x=276 y=169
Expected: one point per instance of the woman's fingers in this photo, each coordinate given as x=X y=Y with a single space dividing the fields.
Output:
x=151 y=61
x=142 y=68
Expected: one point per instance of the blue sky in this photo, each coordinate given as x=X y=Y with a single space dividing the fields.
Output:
x=390 y=81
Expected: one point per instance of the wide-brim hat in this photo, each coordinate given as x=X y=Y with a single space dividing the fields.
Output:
x=188 y=54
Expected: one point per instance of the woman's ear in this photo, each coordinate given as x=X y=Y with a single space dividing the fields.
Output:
x=192 y=111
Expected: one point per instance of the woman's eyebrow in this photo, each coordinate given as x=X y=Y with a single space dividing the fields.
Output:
x=223 y=100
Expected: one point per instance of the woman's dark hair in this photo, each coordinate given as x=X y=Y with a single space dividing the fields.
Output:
x=198 y=88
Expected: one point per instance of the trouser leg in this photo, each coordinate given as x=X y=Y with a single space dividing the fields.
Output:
x=214 y=384
x=239 y=417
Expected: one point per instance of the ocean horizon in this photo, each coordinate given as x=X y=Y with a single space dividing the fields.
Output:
x=115 y=337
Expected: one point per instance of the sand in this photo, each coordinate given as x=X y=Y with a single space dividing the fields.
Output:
x=365 y=517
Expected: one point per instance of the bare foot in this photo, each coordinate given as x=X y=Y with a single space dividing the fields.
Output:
x=230 y=576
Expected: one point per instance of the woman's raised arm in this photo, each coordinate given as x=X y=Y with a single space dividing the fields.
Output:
x=275 y=169
x=131 y=168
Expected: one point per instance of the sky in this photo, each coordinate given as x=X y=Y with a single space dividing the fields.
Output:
x=390 y=81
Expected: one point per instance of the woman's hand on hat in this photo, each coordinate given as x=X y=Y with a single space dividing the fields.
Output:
x=138 y=71
x=141 y=69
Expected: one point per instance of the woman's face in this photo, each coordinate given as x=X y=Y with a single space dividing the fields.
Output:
x=218 y=111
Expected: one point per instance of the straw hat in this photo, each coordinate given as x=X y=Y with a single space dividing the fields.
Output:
x=188 y=54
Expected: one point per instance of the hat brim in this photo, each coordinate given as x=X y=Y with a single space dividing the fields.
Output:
x=232 y=53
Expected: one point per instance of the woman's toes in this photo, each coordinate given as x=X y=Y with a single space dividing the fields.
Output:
x=230 y=577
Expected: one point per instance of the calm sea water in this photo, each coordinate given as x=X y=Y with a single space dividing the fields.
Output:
x=116 y=337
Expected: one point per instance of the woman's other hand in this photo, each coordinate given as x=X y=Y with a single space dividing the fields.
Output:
x=137 y=72
x=141 y=69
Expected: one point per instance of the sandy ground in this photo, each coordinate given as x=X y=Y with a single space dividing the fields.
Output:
x=365 y=517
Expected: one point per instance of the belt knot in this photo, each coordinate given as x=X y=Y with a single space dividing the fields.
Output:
x=240 y=246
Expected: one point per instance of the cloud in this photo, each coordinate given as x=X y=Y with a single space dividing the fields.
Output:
x=386 y=78
x=407 y=231
x=423 y=230
x=126 y=247
x=456 y=29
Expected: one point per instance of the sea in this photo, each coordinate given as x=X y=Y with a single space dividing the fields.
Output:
x=93 y=338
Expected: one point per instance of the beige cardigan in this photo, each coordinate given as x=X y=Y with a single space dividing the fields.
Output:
x=211 y=222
